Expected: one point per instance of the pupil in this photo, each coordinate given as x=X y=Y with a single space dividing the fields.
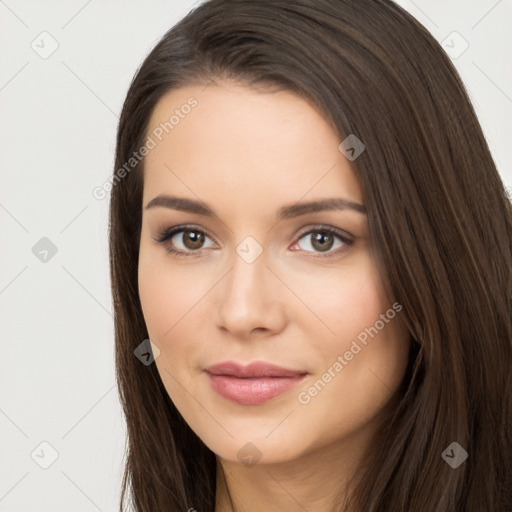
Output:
x=319 y=241
x=193 y=240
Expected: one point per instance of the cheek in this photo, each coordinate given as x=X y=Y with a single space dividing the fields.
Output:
x=167 y=293
x=342 y=302
x=363 y=348
x=169 y=300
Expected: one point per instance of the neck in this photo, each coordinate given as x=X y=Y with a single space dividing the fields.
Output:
x=316 y=481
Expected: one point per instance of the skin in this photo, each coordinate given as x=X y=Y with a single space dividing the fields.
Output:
x=246 y=153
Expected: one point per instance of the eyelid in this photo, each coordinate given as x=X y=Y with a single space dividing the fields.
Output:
x=344 y=235
x=167 y=233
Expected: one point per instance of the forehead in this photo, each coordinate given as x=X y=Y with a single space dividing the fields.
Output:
x=230 y=142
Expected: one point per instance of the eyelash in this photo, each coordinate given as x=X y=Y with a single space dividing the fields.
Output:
x=167 y=234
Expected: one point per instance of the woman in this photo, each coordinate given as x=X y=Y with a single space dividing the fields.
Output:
x=307 y=223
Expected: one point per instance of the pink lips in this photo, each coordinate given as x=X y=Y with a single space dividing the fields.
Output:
x=253 y=384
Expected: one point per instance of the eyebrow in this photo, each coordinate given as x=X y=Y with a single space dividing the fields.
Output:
x=286 y=212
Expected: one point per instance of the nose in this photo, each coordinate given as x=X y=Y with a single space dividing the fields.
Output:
x=248 y=300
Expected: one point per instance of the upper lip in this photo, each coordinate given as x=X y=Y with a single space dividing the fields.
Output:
x=255 y=369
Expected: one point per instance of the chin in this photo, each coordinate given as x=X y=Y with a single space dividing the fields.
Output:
x=256 y=447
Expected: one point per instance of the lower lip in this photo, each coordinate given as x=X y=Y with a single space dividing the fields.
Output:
x=252 y=391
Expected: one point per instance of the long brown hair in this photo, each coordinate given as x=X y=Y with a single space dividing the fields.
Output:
x=441 y=227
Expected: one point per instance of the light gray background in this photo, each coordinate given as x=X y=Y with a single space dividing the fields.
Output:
x=58 y=120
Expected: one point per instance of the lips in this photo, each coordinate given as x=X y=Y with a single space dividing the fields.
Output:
x=256 y=369
x=253 y=384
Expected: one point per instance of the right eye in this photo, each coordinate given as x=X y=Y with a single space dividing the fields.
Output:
x=183 y=240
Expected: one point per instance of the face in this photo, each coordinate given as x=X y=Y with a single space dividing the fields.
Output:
x=235 y=269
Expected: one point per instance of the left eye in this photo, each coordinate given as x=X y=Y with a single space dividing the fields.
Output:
x=324 y=240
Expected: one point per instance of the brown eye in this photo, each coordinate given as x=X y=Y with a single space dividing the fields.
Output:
x=192 y=240
x=322 y=241
x=325 y=240
x=185 y=241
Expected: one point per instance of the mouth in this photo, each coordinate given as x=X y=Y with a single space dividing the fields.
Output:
x=253 y=384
